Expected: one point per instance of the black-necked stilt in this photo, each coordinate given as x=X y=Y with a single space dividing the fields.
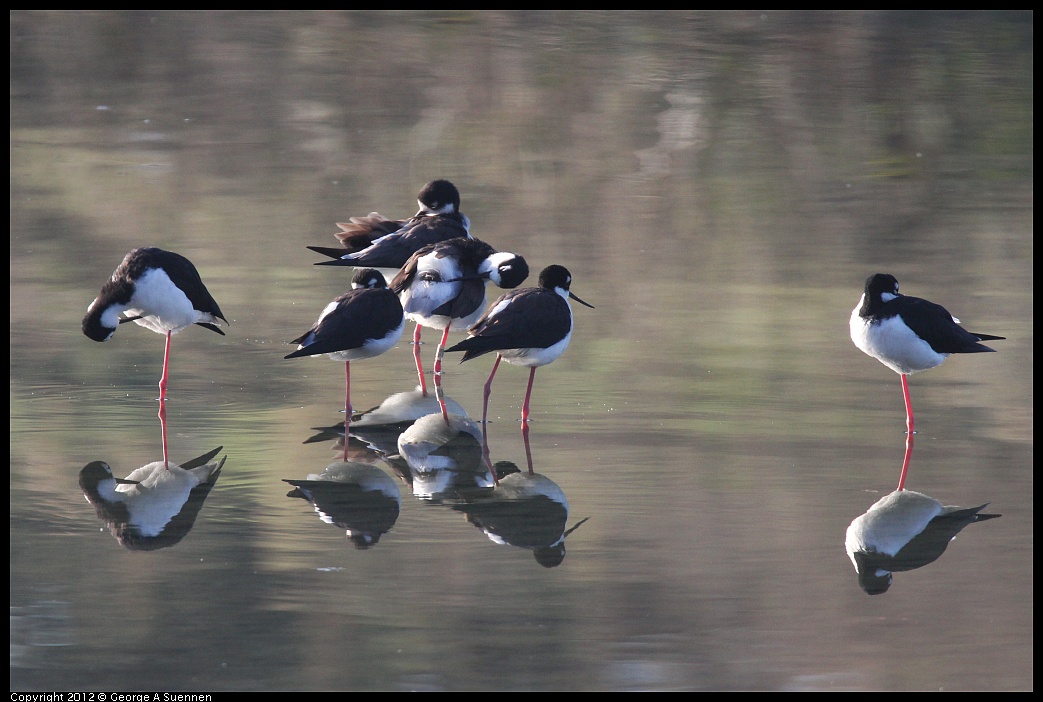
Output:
x=907 y=334
x=358 y=497
x=385 y=244
x=525 y=510
x=159 y=290
x=442 y=286
x=527 y=327
x=154 y=506
x=362 y=323
x=903 y=530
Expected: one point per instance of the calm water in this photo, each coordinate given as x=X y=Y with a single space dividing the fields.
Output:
x=719 y=184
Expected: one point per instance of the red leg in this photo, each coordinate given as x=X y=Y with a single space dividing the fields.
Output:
x=485 y=453
x=908 y=404
x=905 y=463
x=166 y=365
x=488 y=390
x=439 y=352
x=416 y=358
x=347 y=405
x=528 y=392
x=525 y=439
x=163 y=429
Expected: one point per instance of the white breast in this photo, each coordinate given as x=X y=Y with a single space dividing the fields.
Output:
x=161 y=304
x=894 y=344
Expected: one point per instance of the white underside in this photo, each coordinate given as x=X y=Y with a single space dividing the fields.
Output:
x=160 y=494
x=891 y=523
x=372 y=347
x=161 y=304
x=440 y=322
x=894 y=344
x=534 y=357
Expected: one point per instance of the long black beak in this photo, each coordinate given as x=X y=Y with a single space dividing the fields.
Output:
x=574 y=528
x=580 y=301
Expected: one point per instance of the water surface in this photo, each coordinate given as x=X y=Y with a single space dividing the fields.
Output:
x=719 y=184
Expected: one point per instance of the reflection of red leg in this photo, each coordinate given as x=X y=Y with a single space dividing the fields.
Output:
x=528 y=392
x=347 y=405
x=485 y=454
x=166 y=364
x=908 y=457
x=908 y=404
x=416 y=357
x=525 y=438
x=163 y=429
x=439 y=352
x=489 y=389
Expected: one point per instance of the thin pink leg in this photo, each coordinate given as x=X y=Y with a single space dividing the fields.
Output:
x=439 y=352
x=485 y=453
x=347 y=405
x=488 y=390
x=908 y=404
x=166 y=365
x=163 y=429
x=528 y=392
x=905 y=463
x=528 y=451
x=416 y=358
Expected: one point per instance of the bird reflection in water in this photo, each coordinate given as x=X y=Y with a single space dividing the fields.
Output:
x=444 y=458
x=156 y=505
x=375 y=431
x=360 y=498
x=526 y=510
x=904 y=530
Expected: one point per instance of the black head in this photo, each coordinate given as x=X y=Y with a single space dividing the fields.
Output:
x=92 y=325
x=879 y=284
x=550 y=556
x=439 y=197
x=94 y=473
x=555 y=276
x=368 y=278
x=558 y=277
x=873 y=583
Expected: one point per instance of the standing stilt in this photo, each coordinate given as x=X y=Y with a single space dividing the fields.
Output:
x=528 y=327
x=908 y=334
